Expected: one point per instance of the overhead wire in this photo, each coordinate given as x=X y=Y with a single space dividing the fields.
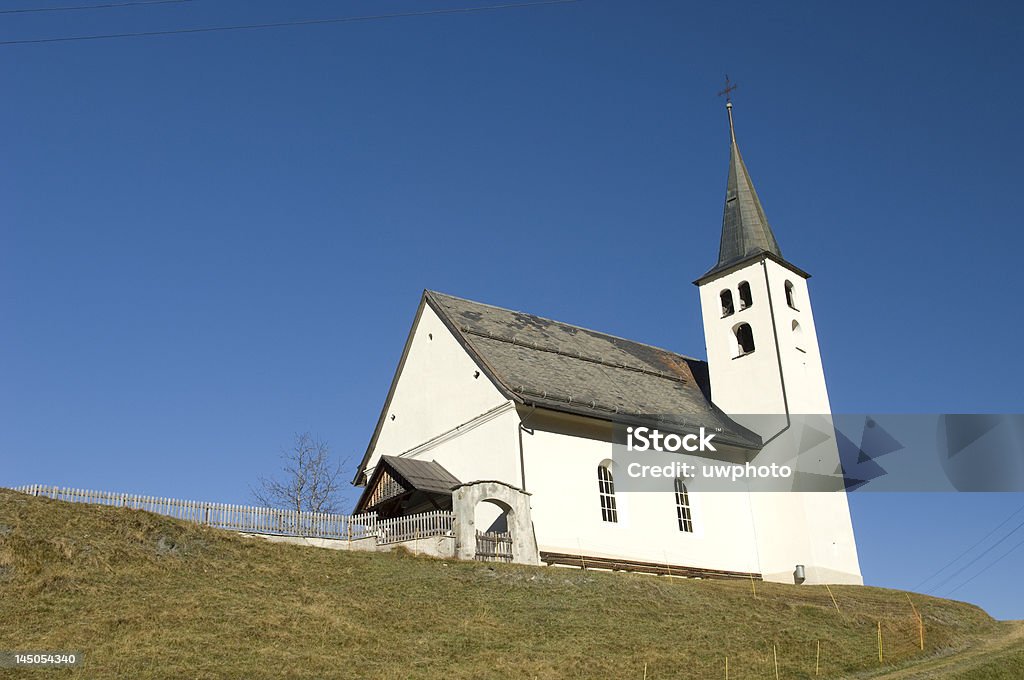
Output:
x=975 y=560
x=281 y=24
x=972 y=547
x=76 y=8
x=987 y=567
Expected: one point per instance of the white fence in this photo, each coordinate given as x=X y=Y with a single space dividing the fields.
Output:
x=412 y=527
x=264 y=520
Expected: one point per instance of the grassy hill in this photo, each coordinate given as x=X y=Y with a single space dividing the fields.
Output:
x=144 y=596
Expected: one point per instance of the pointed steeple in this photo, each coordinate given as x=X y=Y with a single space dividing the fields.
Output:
x=745 y=228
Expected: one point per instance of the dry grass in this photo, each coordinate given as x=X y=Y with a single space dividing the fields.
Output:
x=144 y=596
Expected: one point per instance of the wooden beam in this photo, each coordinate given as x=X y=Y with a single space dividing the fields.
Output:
x=587 y=562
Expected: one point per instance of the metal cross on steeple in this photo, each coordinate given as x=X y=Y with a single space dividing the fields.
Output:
x=729 y=87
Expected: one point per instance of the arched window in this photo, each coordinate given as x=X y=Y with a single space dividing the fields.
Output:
x=606 y=490
x=744 y=339
x=746 y=299
x=727 y=307
x=683 y=515
x=798 y=334
x=789 y=295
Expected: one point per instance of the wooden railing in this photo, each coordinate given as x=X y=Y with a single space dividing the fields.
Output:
x=246 y=518
x=412 y=527
x=493 y=546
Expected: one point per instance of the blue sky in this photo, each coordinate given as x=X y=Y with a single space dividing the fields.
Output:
x=209 y=242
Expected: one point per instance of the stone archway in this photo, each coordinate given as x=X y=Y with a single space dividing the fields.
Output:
x=514 y=506
x=492 y=515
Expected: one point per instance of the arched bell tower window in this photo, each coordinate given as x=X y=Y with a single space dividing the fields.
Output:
x=683 y=516
x=746 y=299
x=798 y=335
x=744 y=339
x=790 y=300
x=606 y=491
x=727 y=306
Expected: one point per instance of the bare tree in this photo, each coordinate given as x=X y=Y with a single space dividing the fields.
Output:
x=311 y=480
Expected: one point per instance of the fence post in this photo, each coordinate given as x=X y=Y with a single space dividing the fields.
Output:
x=833 y=598
x=920 y=621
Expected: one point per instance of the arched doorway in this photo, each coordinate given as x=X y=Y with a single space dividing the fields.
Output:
x=494 y=522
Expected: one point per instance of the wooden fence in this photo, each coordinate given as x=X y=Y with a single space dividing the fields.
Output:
x=412 y=527
x=493 y=546
x=259 y=520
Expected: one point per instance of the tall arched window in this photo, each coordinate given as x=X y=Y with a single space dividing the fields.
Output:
x=727 y=307
x=790 y=300
x=744 y=339
x=746 y=299
x=683 y=515
x=606 y=491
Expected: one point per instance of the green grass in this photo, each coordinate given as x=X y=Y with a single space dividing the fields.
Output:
x=144 y=596
x=1010 y=665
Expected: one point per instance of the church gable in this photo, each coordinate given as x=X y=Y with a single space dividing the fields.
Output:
x=437 y=386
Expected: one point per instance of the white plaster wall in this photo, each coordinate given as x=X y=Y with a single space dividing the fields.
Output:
x=561 y=475
x=813 y=529
x=485 y=451
x=437 y=391
x=750 y=383
x=801 y=355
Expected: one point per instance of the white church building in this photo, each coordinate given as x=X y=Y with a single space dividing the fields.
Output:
x=509 y=419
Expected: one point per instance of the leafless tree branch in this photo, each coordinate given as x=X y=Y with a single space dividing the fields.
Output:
x=311 y=481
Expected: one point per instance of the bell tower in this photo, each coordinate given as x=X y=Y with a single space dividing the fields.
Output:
x=762 y=347
x=764 y=363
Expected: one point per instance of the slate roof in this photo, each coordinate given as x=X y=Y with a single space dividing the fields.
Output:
x=422 y=475
x=566 y=368
x=416 y=479
x=745 y=229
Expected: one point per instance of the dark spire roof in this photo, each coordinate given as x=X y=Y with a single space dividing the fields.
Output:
x=745 y=229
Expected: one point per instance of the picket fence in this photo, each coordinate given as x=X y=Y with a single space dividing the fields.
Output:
x=257 y=520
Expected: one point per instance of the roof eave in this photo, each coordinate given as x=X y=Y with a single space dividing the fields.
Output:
x=721 y=270
x=741 y=437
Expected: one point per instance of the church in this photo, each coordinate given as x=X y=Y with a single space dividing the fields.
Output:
x=510 y=420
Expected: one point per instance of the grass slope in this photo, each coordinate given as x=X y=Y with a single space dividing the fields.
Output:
x=149 y=597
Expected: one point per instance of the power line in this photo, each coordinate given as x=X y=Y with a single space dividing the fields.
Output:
x=989 y=566
x=985 y=552
x=965 y=552
x=280 y=24
x=31 y=10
